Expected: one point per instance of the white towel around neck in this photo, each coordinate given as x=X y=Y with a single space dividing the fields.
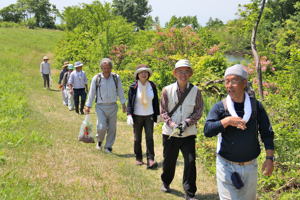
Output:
x=247 y=107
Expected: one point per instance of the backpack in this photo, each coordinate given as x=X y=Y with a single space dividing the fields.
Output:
x=98 y=83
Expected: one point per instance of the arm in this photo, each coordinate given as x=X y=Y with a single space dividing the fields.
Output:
x=164 y=110
x=92 y=93
x=267 y=137
x=129 y=106
x=121 y=94
x=197 y=112
x=213 y=125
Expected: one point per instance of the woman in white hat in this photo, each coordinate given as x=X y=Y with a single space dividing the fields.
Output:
x=142 y=112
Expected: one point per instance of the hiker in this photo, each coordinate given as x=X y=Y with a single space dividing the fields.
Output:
x=181 y=107
x=142 y=112
x=78 y=86
x=65 y=79
x=237 y=120
x=105 y=88
x=61 y=86
x=45 y=72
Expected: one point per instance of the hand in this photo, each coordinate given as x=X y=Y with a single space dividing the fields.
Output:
x=129 y=120
x=235 y=122
x=71 y=91
x=124 y=108
x=267 y=167
x=182 y=126
x=87 y=110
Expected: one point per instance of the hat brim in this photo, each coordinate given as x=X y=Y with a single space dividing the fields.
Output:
x=78 y=66
x=142 y=69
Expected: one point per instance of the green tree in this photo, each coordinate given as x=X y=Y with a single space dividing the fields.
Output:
x=180 y=22
x=11 y=13
x=42 y=10
x=214 y=22
x=135 y=11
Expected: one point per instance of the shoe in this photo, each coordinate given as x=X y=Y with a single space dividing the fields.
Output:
x=108 y=150
x=165 y=188
x=81 y=112
x=98 y=146
x=139 y=162
x=151 y=164
x=187 y=197
x=77 y=111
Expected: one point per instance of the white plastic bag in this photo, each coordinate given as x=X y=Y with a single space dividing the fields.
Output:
x=85 y=133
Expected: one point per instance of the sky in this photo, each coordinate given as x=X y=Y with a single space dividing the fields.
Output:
x=204 y=9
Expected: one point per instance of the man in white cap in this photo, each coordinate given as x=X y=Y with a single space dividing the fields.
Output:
x=45 y=72
x=106 y=87
x=237 y=120
x=181 y=108
x=78 y=86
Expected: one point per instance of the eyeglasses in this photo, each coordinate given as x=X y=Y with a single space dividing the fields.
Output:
x=183 y=72
x=233 y=82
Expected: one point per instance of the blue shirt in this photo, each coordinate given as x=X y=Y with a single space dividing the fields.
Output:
x=78 y=79
x=235 y=144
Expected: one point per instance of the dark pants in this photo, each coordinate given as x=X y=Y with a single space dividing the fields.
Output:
x=79 y=92
x=46 y=80
x=171 y=150
x=145 y=122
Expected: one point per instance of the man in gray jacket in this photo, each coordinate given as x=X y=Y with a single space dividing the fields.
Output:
x=106 y=87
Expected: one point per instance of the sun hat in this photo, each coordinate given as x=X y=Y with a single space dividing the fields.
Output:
x=78 y=64
x=141 y=68
x=66 y=63
x=70 y=66
x=183 y=63
x=45 y=58
x=237 y=70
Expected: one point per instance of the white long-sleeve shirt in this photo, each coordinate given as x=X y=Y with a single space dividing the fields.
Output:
x=45 y=68
x=78 y=79
x=107 y=92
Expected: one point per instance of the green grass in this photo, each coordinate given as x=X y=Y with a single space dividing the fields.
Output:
x=40 y=157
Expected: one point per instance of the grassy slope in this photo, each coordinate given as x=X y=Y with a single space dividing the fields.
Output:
x=40 y=157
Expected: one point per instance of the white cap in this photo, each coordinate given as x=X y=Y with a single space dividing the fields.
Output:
x=183 y=63
x=237 y=70
x=78 y=64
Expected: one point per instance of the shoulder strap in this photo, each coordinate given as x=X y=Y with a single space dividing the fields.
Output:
x=181 y=100
x=115 y=80
x=98 y=81
x=224 y=104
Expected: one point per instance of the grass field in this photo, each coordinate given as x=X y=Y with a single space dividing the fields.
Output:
x=40 y=157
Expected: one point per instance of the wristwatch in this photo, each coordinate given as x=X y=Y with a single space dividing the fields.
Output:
x=270 y=158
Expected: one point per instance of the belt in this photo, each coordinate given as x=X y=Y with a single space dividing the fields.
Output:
x=239 y=163
x=106 y=104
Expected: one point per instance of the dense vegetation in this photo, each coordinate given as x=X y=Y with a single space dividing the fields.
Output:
x=94 y=31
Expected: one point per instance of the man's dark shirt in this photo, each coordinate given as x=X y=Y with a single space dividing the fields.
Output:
x=235 y=144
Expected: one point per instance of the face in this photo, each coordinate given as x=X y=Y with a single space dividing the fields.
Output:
x=45 y=60
x=183 y=74
x=235 y=86
x=106 y=68
x=143 y=75
x=78 y=68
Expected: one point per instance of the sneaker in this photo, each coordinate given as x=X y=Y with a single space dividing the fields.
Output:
x=108 y=150
x=98 y=145
x=139 y=162
x=165 y=188
x=187 y=197
x=151 y=164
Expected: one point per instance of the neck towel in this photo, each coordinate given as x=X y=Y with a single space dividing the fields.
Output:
x=247 y=107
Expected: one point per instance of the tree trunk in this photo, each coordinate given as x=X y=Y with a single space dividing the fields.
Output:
x=255 y=53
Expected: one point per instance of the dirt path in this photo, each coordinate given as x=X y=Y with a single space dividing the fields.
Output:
x=68 y=169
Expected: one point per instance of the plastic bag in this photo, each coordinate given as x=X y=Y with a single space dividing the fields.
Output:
x=85 y=133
